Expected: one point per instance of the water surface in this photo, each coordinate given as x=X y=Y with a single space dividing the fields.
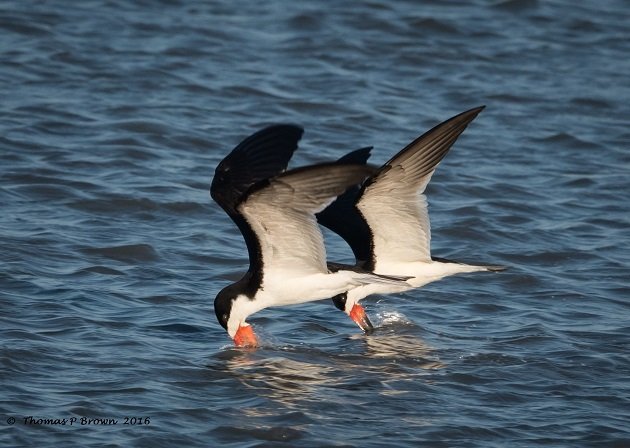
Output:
x=113 y=117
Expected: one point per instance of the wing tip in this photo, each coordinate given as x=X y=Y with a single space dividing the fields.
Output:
x=359 y=156
x=471 y=114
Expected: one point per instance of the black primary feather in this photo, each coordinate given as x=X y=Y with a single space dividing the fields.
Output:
x=260 y=156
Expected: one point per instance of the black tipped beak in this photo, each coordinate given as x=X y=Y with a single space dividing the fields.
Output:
x=366 y=325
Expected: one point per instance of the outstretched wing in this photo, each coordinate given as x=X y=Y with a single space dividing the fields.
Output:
x=281 y=214
x=392 y=201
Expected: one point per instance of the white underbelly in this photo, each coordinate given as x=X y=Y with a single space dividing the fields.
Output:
x=285 y=289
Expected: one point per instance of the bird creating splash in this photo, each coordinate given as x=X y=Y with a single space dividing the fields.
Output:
x=381 y=213
x=390 y=230
x=275 y=211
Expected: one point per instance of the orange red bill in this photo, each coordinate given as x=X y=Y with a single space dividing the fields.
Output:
x=245 y=337
x=357 y=314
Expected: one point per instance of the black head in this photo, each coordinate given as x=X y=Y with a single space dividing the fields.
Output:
x=223 y=305
x=340 y=301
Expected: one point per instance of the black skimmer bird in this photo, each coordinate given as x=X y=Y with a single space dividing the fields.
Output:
x=276 y=215
x=386 y=220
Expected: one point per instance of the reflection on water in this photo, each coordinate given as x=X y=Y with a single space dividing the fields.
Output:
x=294 y=375
x=404 y=348
x=395 y=337
x=283 y=376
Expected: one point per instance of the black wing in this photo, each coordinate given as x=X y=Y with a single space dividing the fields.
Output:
x=392 y=201
x=260 y=156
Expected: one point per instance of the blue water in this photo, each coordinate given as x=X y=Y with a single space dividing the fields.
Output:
x=113 y=116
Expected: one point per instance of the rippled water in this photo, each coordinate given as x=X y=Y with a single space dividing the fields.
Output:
x=114 y=115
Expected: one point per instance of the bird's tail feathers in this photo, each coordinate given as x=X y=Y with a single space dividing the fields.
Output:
x=371 y=278
x=481 y=267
